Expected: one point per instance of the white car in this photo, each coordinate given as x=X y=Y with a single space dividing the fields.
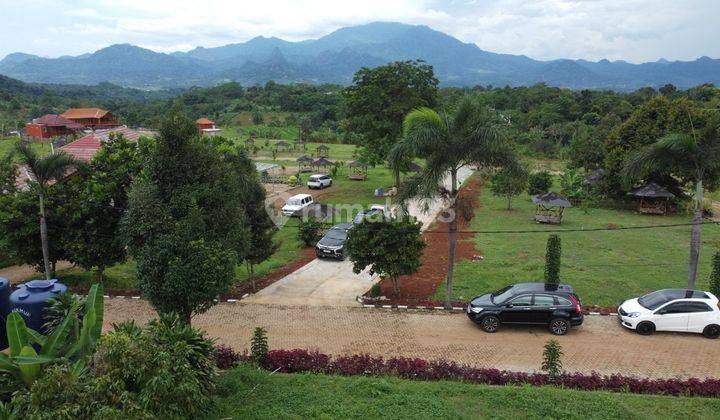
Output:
x=677 y=310
x=319 y=181
x=295 y=203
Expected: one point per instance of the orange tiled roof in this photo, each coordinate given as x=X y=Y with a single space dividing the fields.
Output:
x=84 y=113
x=54 y=120
x=86 y=147
x=204 y=120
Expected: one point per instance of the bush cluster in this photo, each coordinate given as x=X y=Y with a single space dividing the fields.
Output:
x=226 y=357
x=299 y=360
x=165 y=370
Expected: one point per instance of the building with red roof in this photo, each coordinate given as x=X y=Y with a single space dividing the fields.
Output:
x=91 y=117
x=51 y=125
x=85 y=148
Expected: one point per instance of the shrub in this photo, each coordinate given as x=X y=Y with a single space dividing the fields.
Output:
x=552 y=260
x=59 y=307
x=376 y=290
x=310 y=232
x=259 y=346
x=715 y=275
x=298 y=360
x=539 y=183
x=226 y=357
x=552 y=363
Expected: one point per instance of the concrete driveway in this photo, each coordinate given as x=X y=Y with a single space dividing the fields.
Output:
x=333 y=283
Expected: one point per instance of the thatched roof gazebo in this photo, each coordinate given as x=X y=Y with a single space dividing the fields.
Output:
x=358 y=170
x=652 y=199
x=305 y=163
x=550 y=207
x=322 y=151
x=283 y=146
x=322 y=163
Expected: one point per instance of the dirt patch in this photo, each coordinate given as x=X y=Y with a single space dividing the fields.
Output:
x=419 y=288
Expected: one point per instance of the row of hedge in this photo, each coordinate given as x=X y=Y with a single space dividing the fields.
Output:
x=299 y=360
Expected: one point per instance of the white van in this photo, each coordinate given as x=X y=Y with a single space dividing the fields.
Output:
x=296 y=202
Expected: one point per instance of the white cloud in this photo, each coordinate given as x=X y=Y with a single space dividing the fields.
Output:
x=635 y=30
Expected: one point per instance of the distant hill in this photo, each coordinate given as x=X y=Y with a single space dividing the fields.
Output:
x=335 y=57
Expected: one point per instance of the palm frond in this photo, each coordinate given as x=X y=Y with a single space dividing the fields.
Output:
x=424 y=129
x=670 y=150
x=400 y=156
x=45 y=169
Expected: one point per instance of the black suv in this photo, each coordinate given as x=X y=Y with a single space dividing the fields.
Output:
x=553 y=305
x=332 y=245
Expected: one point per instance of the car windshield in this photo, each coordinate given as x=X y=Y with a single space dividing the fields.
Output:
x=502 y=295
x=654 y=300
x=336 y=234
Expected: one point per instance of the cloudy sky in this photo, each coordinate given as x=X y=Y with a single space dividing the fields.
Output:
x=632 y=30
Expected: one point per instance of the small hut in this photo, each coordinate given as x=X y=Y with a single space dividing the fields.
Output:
x=358 y=170
x=550 y=207
x=321 y=163
x=305 y=163
x=652 y=199
x=322 y=151
x=283 y=146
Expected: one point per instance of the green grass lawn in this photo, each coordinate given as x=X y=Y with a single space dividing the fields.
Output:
x=604 y=267
x=246 y=392
x=337 y=151
x=7 y=145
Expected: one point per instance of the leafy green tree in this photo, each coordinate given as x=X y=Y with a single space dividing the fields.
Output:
x=539 y=183
x=391 y=248
x=470 y=136
x=261 y=229
x=692 y=156
x=651 y=121
x=100 y=201
x=379 y=98
x=552 y=260
x=572 y=185
x=257 y=117
x=20 y=231
x=45 y=171
x=8 y=173
x=715 y=275
x=310 y=231
x=509 y=182
x=185 y=224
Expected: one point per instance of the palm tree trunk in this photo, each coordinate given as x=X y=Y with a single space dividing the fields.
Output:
x=44 y=237
x=452 y=243
x=695 y=236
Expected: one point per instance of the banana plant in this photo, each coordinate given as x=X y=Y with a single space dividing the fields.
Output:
x=68 y=342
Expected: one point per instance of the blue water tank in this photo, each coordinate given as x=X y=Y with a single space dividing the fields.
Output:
x=4 y=310
x=30 y=299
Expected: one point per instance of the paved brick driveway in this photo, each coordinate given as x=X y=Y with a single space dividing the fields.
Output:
x=599 y=345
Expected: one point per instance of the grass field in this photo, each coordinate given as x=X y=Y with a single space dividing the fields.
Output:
x=605 y=267
x=245 y=393
x=7 y=145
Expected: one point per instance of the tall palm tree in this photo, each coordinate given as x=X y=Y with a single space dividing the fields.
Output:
x=45 y=170
x=695 y=158
x=448 y=142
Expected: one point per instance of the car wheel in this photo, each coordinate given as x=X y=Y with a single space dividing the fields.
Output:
x=490 y=323
x=712 y=331
x=645 y=328
x=559 y=326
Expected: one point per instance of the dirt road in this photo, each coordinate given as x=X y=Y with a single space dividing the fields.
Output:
x=599 y=345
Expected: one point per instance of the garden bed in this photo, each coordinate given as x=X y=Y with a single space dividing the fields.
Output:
x=418 y=289
x=300 y=360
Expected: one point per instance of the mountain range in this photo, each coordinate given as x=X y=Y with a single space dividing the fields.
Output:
x=334 y=58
